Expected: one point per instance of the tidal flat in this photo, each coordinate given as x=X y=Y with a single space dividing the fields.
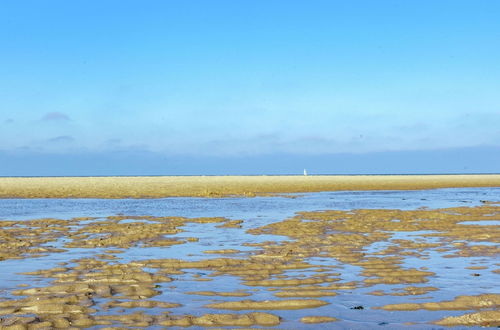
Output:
x=224 y=186
x=359 y=259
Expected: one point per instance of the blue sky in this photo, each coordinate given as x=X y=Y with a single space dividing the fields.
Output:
x=247 y=78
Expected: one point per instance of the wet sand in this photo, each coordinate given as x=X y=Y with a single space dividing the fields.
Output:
x=221 y=186
x=323 y=267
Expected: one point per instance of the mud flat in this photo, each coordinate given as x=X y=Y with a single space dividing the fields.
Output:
x=361 y=268
x=219 y=186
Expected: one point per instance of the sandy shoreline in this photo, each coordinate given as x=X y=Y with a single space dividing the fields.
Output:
x=219 y=186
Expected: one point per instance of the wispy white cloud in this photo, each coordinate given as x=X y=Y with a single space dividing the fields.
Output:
x=55 y=116
x=114 y=141
x=61 y=139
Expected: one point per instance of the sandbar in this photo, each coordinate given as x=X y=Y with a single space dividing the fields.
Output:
x=223 y=186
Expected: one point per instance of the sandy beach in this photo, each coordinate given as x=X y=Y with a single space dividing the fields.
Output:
x=334 y=259
x=221 y=186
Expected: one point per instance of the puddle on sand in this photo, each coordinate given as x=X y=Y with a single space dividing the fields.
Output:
x=144 y=263
x=481 y=223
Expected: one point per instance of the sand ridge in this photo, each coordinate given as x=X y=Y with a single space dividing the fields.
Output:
x=220 y=186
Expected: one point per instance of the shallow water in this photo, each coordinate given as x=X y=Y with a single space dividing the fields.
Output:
x=482 y=223
x=452 y=278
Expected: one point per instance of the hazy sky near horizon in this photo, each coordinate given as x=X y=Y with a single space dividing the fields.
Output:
x=248 y=77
